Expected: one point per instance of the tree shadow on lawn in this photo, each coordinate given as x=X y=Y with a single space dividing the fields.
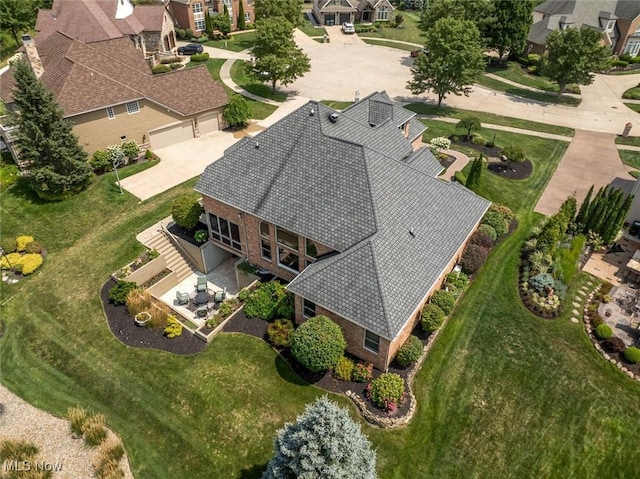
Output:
x=21 y=189
x=253 y=472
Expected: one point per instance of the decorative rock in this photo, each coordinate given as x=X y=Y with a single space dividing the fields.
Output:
x=598 y=347
x=630 y=374
x=575 y=312
x=606 y=356
x=576 y=305
x=575 y=320
x=612 y=361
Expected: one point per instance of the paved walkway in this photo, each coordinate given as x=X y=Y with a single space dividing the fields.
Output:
x=460 y=162
x=591 y=159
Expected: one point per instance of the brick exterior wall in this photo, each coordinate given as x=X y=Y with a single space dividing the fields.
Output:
x=626 y=28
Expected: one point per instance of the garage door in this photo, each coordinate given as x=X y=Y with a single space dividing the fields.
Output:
x=345 y=17
x=170 y=135
x=208 y=123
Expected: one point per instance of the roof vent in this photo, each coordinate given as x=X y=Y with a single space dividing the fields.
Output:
x=412 y=233
x=257 y=144
x=312 y=112
x=333 y=117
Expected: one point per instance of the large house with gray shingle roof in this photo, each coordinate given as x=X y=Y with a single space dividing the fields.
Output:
x=342 y=206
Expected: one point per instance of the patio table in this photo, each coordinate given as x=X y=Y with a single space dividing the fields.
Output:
x=201 y=297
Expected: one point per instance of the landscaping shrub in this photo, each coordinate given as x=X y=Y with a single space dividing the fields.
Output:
x=318 y=343
x=34 y=247
x=77 y=417
x=489 y=230
x=614 y=344
x=11 y=261
x=362 y=372
x=131 y=149
x=473 y=258
x=432 y=317
x=161 y=69
x=118 y=294
x=8 y=244
x=503 y=211
x=632 y=355
x=17 y=450
x=200 y=236
x=173 y=328
x=268 y=301
x=159 y=313
x=541 y=282
x=457 y=280
x=180 y=33
x=138 y=300
x=22 y=242
x=100 y=161
x=619 y=64
x=443 y=299
x=199 y=57
x=596 y=320
x=482 y=239
x=279 y=332
x=387 y=388
x=497 y=221
x=30 y=262
x=410 y=351
x=175 y=66
x=343 y=369
x=108 y=469
x=94 y=431
x=533 y=59
x=186 y=211
x=188 y=33
x=148 y=155
x=479 y=140
x=604 y=331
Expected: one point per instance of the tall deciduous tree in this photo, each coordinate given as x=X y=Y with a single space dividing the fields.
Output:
x=222 y=22
x=454 y=62
x=573 y=54
x=18 y=16
x=324 y=442
x=58 y=164
x=476 y=11
x=289 y=9
x=511 y=23
x=237 y=112
x=277 y=58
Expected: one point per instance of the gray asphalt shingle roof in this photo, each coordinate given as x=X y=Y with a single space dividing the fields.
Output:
x=394 y=227
x=424 y=161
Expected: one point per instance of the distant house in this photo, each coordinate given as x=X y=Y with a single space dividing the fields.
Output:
x=345 y=208
x=336 y=12
x=150 y=27
x=108 y=91
x=233 y=7
x=191 y=13
x=618 y=20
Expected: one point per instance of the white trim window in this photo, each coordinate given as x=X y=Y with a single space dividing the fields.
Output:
x=371 y=342
x=133 y=107
x=265 y=241
x=308 y=308
x=198 y=17
x=247 y=18
x=610 y=25
x=287 y=249
x=382 y=14
x=110 y=113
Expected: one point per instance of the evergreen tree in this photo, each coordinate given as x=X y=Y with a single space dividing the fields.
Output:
x=473 y=181
x=241 y=22
x=594 y=211
x=57 y=163
x=584 y=208
x=208 y=25
x=617 y=220
x=324 y=442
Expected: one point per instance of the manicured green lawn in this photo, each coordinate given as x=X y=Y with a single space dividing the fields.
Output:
x=308 y=29
x=425 y=109
x=235 y=43
x=634 y=106
x=337 y=105
x=240 y=77
x=632 y=93
x=410 y=31
x=631 y=158
x=498 y=85
x=630 y=140
x=516 y=73
x=384 y=43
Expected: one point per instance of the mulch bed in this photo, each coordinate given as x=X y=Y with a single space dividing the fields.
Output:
x=125 y=330
x=258 y=328
x=635 y=368
x=446 y=162
x=488 y=151
x=186 y=234
x=514 y=171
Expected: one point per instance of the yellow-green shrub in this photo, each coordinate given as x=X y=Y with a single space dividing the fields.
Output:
x=173 y=328
x=30 y=262
x=11 y=261
x=22 y=242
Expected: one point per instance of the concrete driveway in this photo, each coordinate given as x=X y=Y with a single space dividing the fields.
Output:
x=179 y=163
x=590 y=159
x=336 y=36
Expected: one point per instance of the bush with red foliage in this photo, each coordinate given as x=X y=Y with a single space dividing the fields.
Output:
x=473 y=258
x=614 y=344
x=482 y=239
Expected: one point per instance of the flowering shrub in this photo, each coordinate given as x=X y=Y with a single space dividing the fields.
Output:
x=200 y=236
x=30 y=262
x=362 y=372
x=387 y=388
x=12 y=261
x=440 y=142
x=130 y=149
x=115 y=154
x=173 y=327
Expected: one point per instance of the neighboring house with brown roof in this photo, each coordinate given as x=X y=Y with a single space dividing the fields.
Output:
x=150 y=27
x=337 y=12
x=108 y=91
x=347 y=209
x=618 y=20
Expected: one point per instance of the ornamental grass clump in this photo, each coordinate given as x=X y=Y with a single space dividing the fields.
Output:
x=77 y=417
x=318 y=343
x=94 y=431
x=343 y=369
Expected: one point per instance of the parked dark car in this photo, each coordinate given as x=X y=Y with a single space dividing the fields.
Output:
x=190 y=49
x=634 y=229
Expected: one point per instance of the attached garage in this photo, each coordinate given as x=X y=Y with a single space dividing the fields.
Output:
x=329 y=19
x=170 y=135
x=208 y=123
x=345 y=17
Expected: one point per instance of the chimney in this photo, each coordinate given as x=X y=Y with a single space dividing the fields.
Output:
x=32 y=55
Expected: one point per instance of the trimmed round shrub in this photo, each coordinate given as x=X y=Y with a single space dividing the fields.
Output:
x=632 y=355
x=34 y=247
x=279 y=332
x=118 y=294
x=473 y=258
x=410 y=351
x=604 y=331
x=318 y=344
x=479 y=140
x=497 y=221
x=489 y=231
x=387 y=388
x=482 y=239
x=343 y=369
x=614 y=344
x=30 y=262
x=22 y=242
x=432 y=317
x=443 y=299
x=161 y=69
x=269 y=301
x=100 y=161
x=362 y=372
x=186 y=211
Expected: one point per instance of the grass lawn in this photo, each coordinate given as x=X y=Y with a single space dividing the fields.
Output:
x=337 y=105
x=235 y=43
x=498 y=85
x=630 y=140
x=240 y=77
x=632 y=93
x=426 y=109
x=384 y=43
x=308 y=29
x=502 y=394
x=516 y=73
x=634 y=106
x=630 y=158
x=410 y=31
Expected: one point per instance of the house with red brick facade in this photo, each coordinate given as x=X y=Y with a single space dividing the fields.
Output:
x=191 y=13
x=348 y=210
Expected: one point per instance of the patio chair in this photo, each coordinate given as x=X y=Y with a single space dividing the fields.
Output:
x=202 y=312
x=202 y=283
x=183 y=298
x=220 y=295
